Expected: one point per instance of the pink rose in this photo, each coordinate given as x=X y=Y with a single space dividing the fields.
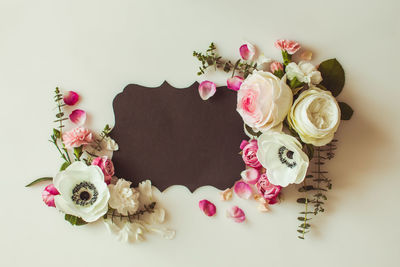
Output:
x=276 y=66
x=48 y=195
x=287 y=45
x=268 y=191
x=264 y=100
x=106 y=166
x=77 y=137
x=249 y=153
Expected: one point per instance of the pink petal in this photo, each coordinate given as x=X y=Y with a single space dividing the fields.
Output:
x=207 y=207
x=234 y=83
x=226 y=194
x=250 y=175
x=78 y=116
x=71 y=98
x=48 y=195
x=207 y=89
x=247 y=51
x=306 y=55
x=243 y=190
x=237 y=214
x=243 y=144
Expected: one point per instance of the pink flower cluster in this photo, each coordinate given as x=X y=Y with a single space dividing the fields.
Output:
x=106 y=166
x=77 y=137
x=289 y=46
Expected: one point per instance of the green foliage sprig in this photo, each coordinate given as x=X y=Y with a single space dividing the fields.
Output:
x=114 y=214
x=211 y=59
x=318 y=183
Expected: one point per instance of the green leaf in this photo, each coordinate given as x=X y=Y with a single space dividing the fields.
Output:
x=302 y=200
x=250 y=131
x=295 y=83
x=74 y=220
x=332 y=76
x=39 y=180
x=56 y=133
x=78 y=152
x=309 y=149
x=64 y=166
x=346 y=111
x=286 y=57
x=306 y=188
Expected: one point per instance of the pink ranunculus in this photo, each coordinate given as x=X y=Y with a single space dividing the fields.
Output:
x=207 y=89
x=237 y=214
x=48 y=195
x=276 y=66
x=250 y=175
x=249 y=153
x=268 y=191
x=264 y=100
x=234 y=83
x=287 y=45
x=207 y=207
x=106 y=166
x=71 y=98
x=247 y=51
x=77 y=137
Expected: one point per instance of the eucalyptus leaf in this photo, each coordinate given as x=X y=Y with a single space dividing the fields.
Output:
x=74 y=220
x=332 y=76
x=251 y=131
x=346 y=111
x=39 y=180
x=64 y=165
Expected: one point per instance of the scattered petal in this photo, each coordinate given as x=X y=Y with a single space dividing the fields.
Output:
x=78 y=116
x=48 y=195
x=207 y=207
x=226 y=194
x=306 y=55
x=263 y=204
x=207 y=89
x=236 y=213
x=70 y=98
x=247 y=51
x=234 y=83
x=243 y=190
x=250 y=175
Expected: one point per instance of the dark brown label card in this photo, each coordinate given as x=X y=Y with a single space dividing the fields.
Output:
x=172 y=137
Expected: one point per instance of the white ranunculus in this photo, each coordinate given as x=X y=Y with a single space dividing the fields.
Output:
x=111 y=144
x=281 y=155
x=83 y=192
x=304 y=72
x=315 y=115
x=264 y=100
x=123 y=198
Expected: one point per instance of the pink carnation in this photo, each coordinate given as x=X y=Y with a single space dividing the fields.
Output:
x=106 y=166
x=287 y=45
x=77 y=137
x=48 y=195
x=249 y=153
x=276 y=66
x=268 y=191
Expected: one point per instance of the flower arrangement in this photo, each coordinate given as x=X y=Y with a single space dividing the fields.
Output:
x=85 y=188
x=290 y=114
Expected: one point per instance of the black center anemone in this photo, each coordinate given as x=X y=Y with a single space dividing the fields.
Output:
x=84 y=194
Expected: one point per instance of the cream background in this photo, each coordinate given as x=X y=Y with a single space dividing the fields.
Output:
x=98 y=47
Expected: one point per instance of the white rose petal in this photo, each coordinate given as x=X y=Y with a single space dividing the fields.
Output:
x=281 y=155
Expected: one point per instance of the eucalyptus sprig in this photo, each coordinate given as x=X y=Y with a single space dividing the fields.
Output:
x=211 y=59
x=104 y=134
x=113 y=214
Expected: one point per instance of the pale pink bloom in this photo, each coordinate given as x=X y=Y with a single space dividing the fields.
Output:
x=207 y=207
x=306 y=55
x=78 y=116
x=236 y=213
x=247 y=51
x=250 y=175
x=77 y=137
x=234 y=83
x=249 y=153
x=243 y=190
x=226 y=194
x=207 y=89
x=48 y=195
x=106 y=166
x=267 y=190
x=287 y=45
x=70 y=98
x=276 y=66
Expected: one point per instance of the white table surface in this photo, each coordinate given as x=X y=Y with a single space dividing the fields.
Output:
x=98 y=47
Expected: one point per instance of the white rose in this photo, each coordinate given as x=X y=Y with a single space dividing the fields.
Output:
x=83 y=192
x=264 y=100
x=304 y=72
x=123 y=198
x=281 y=155
x=315 y=115
x=111 y=144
